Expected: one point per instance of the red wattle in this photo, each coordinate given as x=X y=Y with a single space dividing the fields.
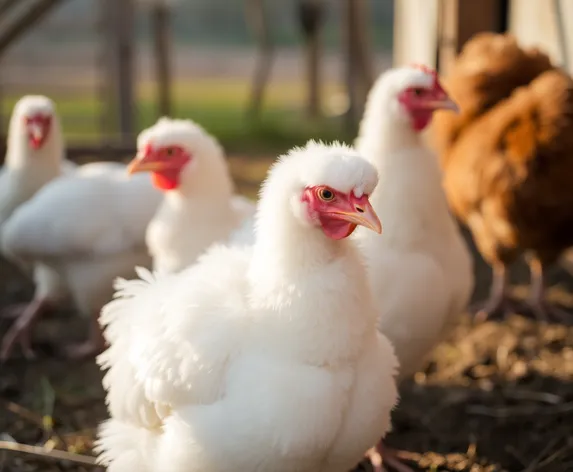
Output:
x=421 y=119
x=336 y=228
x=165 y=180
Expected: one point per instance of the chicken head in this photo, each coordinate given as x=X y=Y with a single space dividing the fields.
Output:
x=421 y=95
x=35 y=114
x=338 y=213
x=164 y=162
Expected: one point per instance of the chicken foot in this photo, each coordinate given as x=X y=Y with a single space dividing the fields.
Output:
x=381 y=456
x=20 y=331
x=90 y=347
x=537 y=303
x=499 y=304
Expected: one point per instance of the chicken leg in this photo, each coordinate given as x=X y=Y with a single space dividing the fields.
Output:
x=499 y=304
x=13 y=311
x=380 y=454
x=93 y=345
x=537 y=303
x=20 y=331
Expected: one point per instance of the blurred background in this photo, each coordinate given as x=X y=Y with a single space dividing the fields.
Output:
x=241 y=68
x=261 y=75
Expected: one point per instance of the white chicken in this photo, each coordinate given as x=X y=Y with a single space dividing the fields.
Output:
x=420 y=271
x=257 y=358
x=34 y=154
x=89 y=228
x=199 y=207
x=34 y=157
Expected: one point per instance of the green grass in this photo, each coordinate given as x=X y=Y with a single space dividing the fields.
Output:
x=220 y=107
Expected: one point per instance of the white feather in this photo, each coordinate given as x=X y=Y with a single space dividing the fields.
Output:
x=420 y=270
x=88 y=226
x=27 y=170
x=202 y=209
x=202 y=363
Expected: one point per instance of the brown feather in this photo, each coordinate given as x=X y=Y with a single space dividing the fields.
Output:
x=508 y=159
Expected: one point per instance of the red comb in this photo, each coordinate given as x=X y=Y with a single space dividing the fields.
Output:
x=424 y=68
x=428 y=70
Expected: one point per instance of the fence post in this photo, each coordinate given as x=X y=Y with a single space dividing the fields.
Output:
x=161 y=37
x=118 y=32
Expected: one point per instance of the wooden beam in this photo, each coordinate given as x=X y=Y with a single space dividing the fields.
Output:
x=358 y=69
x=310 y=18
x=415 y=32
x=6 y=5
x=106 y=64
x=118 y=49
x=34 y=14
x=125 y=56
x=462 y=19
x=257 y=20
x=161 y=39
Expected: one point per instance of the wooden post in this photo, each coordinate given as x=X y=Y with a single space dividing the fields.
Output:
x=161 y=37
x=311 y=15
x=257 y=21
x=124 y=26
x=108 y=124
x=357 y=69
x=363 y=47
x=25 y=21
x=460 y=20
x=6 y=5
x=415 y=32
x=119 y=49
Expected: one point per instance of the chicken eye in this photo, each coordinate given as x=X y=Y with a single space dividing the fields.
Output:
x=417 y=92
x=325 y=195
x=170 y=151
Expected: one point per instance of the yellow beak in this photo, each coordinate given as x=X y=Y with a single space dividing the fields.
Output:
x=445 y=104
x=142 y=164
x=363 y=215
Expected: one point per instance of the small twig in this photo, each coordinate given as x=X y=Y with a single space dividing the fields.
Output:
x=541 y=397
x=516 y=455
x=24 y=413
x=508 y=412
x=554 y=456
x=34 y=418
x=538 y=460
x=55 y=454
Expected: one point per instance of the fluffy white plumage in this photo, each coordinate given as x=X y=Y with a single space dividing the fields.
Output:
x=27 y=170
x=88 y=227
x=256 y=358
x=420 y=270
x=202 y=209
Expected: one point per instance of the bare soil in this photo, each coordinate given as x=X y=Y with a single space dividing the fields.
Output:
x=493 y=397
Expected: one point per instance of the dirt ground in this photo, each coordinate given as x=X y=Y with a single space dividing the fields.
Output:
x=494 y=396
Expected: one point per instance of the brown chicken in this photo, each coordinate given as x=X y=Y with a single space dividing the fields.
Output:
x=508 y=161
